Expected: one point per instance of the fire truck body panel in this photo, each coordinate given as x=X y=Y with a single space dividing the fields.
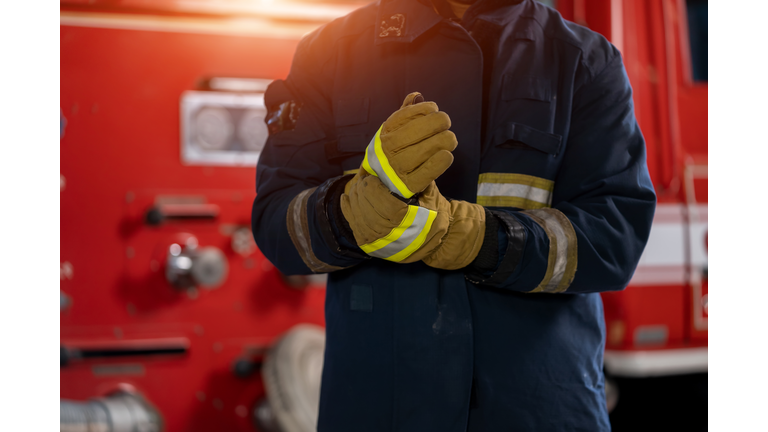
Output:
x=122 y=81
x=658 y=325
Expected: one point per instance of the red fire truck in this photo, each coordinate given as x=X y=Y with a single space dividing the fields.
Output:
x=657 y=328
x=171 y=319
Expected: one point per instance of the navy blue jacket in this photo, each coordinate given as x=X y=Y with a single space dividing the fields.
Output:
x=548 y=141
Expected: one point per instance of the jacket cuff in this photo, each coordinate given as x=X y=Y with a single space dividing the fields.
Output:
x=334 y=228
x=481 y=272
x=487 y=259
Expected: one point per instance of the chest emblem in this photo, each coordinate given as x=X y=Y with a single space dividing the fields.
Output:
x=393 y=26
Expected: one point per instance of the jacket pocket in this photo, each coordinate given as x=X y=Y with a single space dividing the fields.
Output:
x=350 y=112
x=351 y=117
x=518 y=135
x=528 y=103
x=352 y=143
x=526 y=87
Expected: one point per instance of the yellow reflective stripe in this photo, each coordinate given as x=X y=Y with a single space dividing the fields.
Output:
x=522 y=179
x=352 y=171
x=394 y=234
x=388 y=170
x=507 y=201
x=413 y=247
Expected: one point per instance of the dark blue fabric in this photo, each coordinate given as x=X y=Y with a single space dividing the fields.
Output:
x=362 y=298
x=436 y=352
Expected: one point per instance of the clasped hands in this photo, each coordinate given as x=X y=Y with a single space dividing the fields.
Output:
x=393 y=205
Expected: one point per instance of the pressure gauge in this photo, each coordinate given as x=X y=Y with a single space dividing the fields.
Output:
x=222 y=128
x=212 y=128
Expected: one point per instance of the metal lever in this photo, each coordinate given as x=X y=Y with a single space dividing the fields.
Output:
x=164 y=212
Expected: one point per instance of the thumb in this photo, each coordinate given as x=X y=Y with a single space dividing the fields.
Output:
x=346 y=209
x=361 y=174
x=412 y=99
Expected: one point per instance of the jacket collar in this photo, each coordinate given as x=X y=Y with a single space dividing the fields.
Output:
x=405 y=20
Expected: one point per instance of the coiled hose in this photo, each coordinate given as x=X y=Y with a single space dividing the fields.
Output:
x=121 y=412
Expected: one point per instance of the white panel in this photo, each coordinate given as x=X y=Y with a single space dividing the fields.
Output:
x=665 y=246
x=663 y=259
x=656 y=363
x=242 y=134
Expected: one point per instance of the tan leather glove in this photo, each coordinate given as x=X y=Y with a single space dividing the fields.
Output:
x=388 y=228
x=459 y=246
x=411 y=149
x=446 y=235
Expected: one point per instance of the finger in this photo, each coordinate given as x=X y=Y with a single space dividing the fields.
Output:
x=415 y=131
x=412 y=99
x=406 y=114
x=428 y=197
x=346 y=210
x=430 y=170
x=412 y=157
x=361 y=174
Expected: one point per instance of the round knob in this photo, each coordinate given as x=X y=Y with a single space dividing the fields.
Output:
x=209 y=267
x=244 y=367
x=178 y=267
x=188 y=266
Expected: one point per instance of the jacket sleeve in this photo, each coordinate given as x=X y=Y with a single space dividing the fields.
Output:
x=592 y=237
x=295 y=180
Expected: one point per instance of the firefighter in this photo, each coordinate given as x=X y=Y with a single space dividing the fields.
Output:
x=467 y=230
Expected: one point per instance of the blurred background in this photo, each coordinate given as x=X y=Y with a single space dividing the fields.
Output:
x=171 y=318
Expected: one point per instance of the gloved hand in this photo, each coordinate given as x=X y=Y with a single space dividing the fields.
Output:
x=411 y=149
x=460 y=245
x=446 y=235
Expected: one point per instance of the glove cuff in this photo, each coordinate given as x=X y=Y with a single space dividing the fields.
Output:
x=488 y=258
x=333 y=221
x=511 y=256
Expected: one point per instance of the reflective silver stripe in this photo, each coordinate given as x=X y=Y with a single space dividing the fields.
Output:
x=562 y=260
x=407 y=238
x=515 y=190
x=373 y=161
x=295 y=209
x=562 y=250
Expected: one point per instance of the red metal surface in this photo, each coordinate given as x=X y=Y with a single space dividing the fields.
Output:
x=672 y=112
x=120 y=93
